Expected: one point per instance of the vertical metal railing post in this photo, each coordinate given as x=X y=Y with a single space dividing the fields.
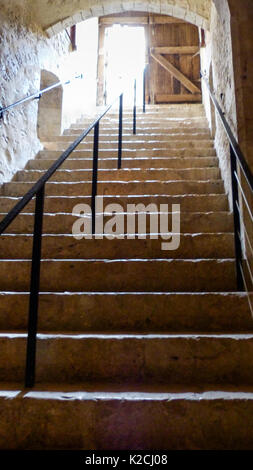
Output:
x=120 y=130
x=34 y=290
x=237 y=223
x=134 y=112
x=144 y=89
x=94 y=177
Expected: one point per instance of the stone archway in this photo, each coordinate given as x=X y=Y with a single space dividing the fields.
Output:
x=56 y=16
x=50 y=107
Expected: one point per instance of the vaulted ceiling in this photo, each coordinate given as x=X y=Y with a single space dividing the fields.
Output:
x=55 y=15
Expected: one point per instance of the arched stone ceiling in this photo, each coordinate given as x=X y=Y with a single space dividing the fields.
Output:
x=55 y=15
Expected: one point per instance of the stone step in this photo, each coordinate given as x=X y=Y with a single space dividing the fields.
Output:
x=140 y=144
x=137 y=140
x=122 y=312
x=191 y=222
x=146 y=119
x=203 y=246
x=173 y=275
x=150 y=127
x=127 y=163
x=143 y=120
x=191 y=110
x=188 y=203
x=179 y=108
x=134 y=418
x=163 y=174
x=172 y=132
x=186 y=359
x=135 y=146
x=118 y=188
x=183 y=152
x=165 y=114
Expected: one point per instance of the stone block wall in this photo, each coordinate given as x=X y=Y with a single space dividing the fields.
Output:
x=217 y=63
x=24 y=51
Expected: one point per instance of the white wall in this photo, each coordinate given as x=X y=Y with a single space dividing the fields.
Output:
x=79 y=98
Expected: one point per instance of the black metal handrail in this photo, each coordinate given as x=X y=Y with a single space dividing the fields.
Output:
x=37 y=95
x=237 y=160
x=38 y=191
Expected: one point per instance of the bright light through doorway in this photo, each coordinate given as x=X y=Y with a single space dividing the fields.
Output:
x=124 y=60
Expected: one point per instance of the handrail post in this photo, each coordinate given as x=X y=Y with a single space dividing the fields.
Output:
x=237 y=222
x=94 y=177
x=134 y=112
x=120 y=130
x=144 y=89
x=34 y=290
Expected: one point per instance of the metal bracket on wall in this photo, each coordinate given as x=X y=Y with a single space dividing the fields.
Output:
x=38 y=97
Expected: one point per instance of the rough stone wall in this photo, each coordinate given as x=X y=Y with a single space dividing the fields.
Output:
x=229 y=51
x=242 y=32
x=23 y=53
x=218 y=56
x=241 y=29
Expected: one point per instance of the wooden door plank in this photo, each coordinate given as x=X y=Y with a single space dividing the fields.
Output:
x=175 y=72
x=165 y=98
x=176 y=50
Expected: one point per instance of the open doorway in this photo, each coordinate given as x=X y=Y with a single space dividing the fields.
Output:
x=124 y=51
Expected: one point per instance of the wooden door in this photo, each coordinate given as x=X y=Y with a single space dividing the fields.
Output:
x=174 y=61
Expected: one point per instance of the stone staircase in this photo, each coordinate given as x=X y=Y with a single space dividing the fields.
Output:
x=138 y=348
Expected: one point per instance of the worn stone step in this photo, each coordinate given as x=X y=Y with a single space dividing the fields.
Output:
x=143 y=120
x=134 y=418
x=163 y=174
x=186 y=359
x=142 y=117
x=168 y=153
x=161 y=120
x=132 y=141
x=136 y=146
x=150 y=144
x=66 y=247
x=136 y=312
x=188 y=203
x=170 y=112
x=181 y=109
x=163 y=114
x=179 y=152
x=139 y=418
x=186 y=133
x=150 y=127
x=118 y=188
x=127 y=163
x=123 y=275
x=198 y=222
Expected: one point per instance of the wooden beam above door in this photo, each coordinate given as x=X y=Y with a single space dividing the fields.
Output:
x=175 y=72
x=139 y=20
